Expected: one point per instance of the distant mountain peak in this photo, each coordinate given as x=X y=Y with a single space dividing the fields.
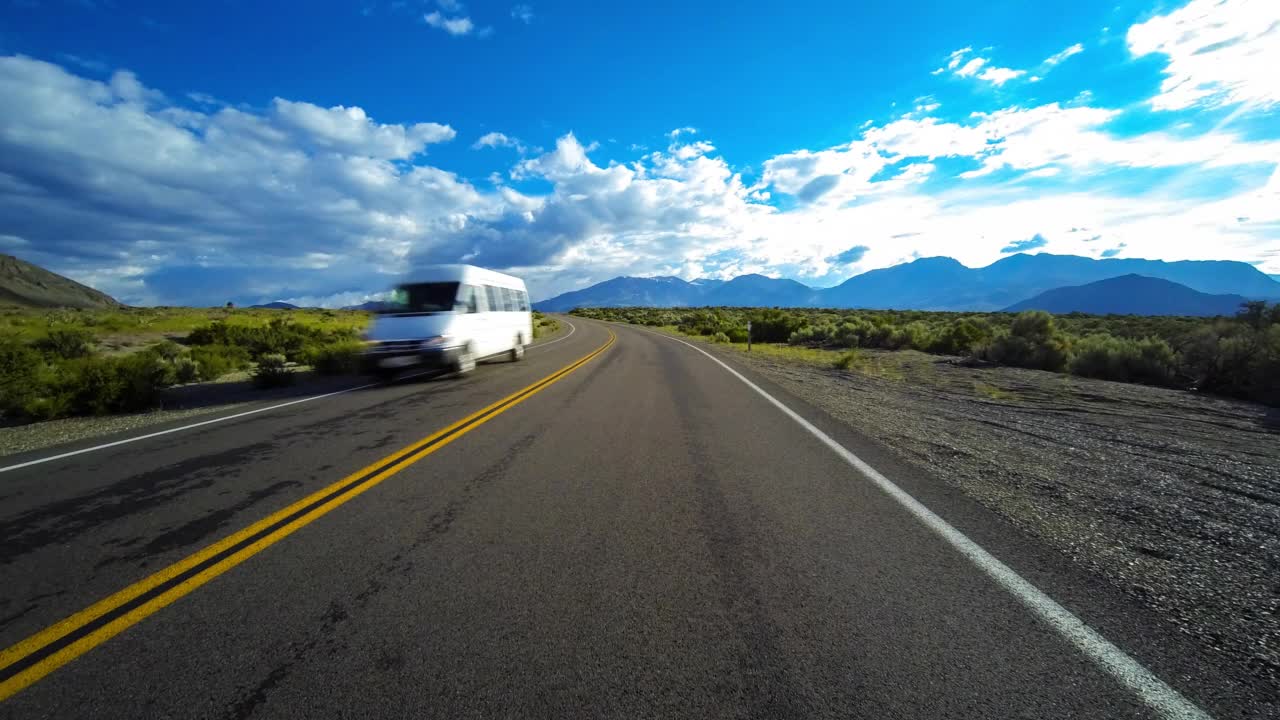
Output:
x=1132 y=294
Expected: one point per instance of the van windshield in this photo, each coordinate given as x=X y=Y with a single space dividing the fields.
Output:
x=422 y=298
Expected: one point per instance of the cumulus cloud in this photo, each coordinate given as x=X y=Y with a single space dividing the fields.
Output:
x=113 y=183
x=459 y=25
x=1219 y=52
x=497 y=139
x=523 y=13
x=998 y=76
x=145 y=200
x=351 y=131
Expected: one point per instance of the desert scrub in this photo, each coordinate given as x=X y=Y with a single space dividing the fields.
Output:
x=543 y=325
x=335 y=359
x=1237 y=356
x=272 y=371
x=66 y=343
x=214 y=361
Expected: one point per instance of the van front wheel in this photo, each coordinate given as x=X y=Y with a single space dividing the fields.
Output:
x=517 y=351
x=466 y=361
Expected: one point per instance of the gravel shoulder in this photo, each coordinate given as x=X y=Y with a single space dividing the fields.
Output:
x=1170 y=496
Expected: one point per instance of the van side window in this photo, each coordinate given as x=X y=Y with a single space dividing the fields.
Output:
x=508 y=300
x=466 y=302
x=523 y=299
x=492 y=296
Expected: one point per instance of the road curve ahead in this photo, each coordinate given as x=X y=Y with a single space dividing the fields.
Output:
x=617 y=526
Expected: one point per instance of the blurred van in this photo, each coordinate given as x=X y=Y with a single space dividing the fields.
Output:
x=449 y=317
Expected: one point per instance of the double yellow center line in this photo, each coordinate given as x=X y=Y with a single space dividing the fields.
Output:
x=40 y=654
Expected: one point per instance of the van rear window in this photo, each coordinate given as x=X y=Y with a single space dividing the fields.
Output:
x=422 y=298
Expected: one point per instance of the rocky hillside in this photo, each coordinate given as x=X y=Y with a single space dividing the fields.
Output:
x=27 y=285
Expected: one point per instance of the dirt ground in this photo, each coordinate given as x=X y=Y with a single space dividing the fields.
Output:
x=1172 y=496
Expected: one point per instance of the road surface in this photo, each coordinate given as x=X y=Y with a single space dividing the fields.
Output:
x=639 y=533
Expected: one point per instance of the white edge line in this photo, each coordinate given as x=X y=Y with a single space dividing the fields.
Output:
x=225 y=418
x=1157 y=694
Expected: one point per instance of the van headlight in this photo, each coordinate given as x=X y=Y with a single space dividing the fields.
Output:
x=439 y=341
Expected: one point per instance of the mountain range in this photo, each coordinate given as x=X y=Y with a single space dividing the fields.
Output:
x=1131 y=295
x=934 y=283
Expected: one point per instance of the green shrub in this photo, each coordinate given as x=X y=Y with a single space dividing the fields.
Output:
x=186 y=369
x=280 y=336
x=66 y=343
x=272 y=371
x=143 y=377
x=774 y=326
x=961 y=337
x=214 y=361
x=1033 y=342
x=1149 y=360
x=19 y=365
x=335 y=359
x=720 y=338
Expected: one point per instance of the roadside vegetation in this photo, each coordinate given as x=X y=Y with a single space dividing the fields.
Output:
x=544 y=325
x=1237 y=356
x=58 y=363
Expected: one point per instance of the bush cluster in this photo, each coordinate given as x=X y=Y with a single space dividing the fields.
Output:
x=33 y=387
x=543 y=325
x=55 y=371
x=1238 y=356
x=272 y=371
x=279 y=336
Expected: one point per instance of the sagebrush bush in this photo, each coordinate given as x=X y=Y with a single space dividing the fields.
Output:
x=272 y=371
x=335 y=359
x=720 y=338
x=214 y=361
x=19 y=365
x=1033 y=342
x=1149 y=360
x=66 y=343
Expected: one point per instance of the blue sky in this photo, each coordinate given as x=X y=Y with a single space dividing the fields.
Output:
x=200 y=152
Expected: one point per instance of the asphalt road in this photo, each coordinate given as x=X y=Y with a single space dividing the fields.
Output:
x=645 y=536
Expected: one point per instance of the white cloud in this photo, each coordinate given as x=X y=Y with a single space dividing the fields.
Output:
x=157 y=202
x=977 y=67
x=1219 y=52
x=460 y=25
x=953 y=60
x=1057 y=58
x=999 y=76
x=523 y=13
x=350 y=130
x=971 y=67
x=497 y=139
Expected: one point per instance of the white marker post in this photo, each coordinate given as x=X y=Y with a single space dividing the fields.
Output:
x=748 y=336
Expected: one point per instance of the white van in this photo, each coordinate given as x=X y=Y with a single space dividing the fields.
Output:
x=449 y=317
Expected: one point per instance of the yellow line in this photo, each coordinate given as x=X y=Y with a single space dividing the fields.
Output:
x=402 y=458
